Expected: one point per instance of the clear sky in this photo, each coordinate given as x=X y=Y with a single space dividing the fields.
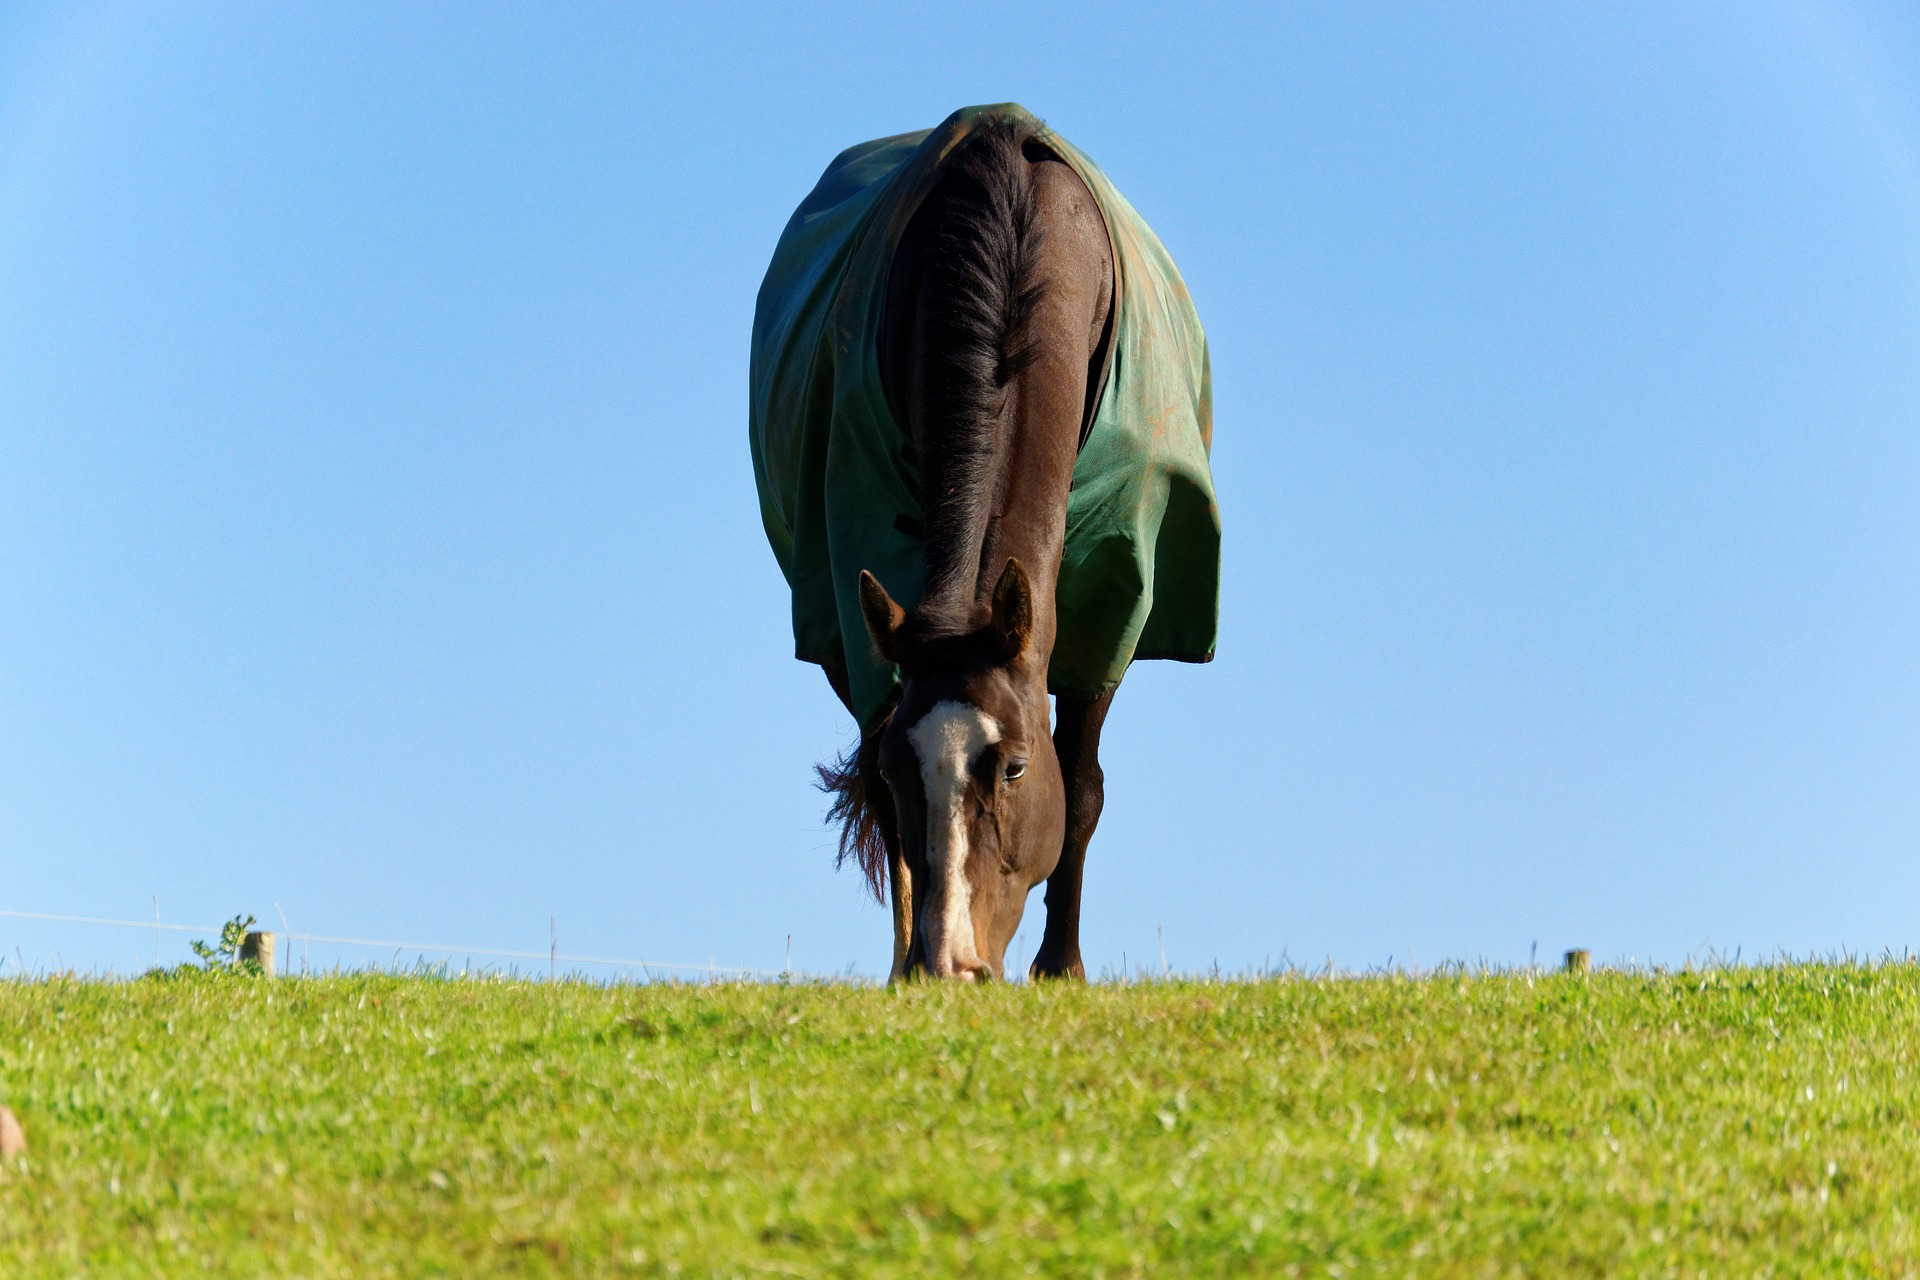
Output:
x=378 y=536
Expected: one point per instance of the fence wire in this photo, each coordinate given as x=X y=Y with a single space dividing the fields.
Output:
x=552 y=956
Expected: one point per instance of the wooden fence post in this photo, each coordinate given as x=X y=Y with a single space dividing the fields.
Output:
x=1579 y=960
x=259 y=947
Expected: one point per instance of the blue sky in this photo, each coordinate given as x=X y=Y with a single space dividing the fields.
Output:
x=378 y=539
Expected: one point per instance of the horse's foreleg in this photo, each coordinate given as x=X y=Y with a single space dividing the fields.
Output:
x=879 y=800
x=1076 y=740
x=902 y=916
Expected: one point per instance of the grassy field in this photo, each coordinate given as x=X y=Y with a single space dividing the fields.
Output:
x=1736 y=1122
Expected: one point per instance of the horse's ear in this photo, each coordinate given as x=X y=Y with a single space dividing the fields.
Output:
x=1013 y=609
x=884 y=617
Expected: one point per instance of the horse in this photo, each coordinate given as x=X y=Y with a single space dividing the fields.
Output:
x=971 y=361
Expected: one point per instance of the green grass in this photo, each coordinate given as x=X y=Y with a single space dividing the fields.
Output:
x=1738 y=1122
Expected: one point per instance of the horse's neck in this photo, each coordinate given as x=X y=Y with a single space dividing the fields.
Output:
x=1047 y=404
x=997 y=490
x=1027 y=516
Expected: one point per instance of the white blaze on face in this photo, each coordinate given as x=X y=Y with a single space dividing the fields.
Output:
x=947 y=740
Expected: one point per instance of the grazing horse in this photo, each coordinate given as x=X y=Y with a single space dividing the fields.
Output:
x=981 y=422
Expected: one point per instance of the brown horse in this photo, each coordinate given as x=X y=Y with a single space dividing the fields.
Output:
x=996 y=308
x=993 y=342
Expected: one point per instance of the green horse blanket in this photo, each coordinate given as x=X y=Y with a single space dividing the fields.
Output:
x=1141 y=573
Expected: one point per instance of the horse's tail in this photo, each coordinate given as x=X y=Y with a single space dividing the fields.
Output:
x=860 y=837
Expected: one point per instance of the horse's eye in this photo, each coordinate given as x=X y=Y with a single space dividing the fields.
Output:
x=1015 y=767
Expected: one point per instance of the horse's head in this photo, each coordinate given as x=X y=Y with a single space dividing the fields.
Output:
x=970 y=763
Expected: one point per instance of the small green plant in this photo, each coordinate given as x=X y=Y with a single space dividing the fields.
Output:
x=224 y=956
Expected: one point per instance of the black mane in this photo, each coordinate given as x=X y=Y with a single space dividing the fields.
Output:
x=978 y=296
